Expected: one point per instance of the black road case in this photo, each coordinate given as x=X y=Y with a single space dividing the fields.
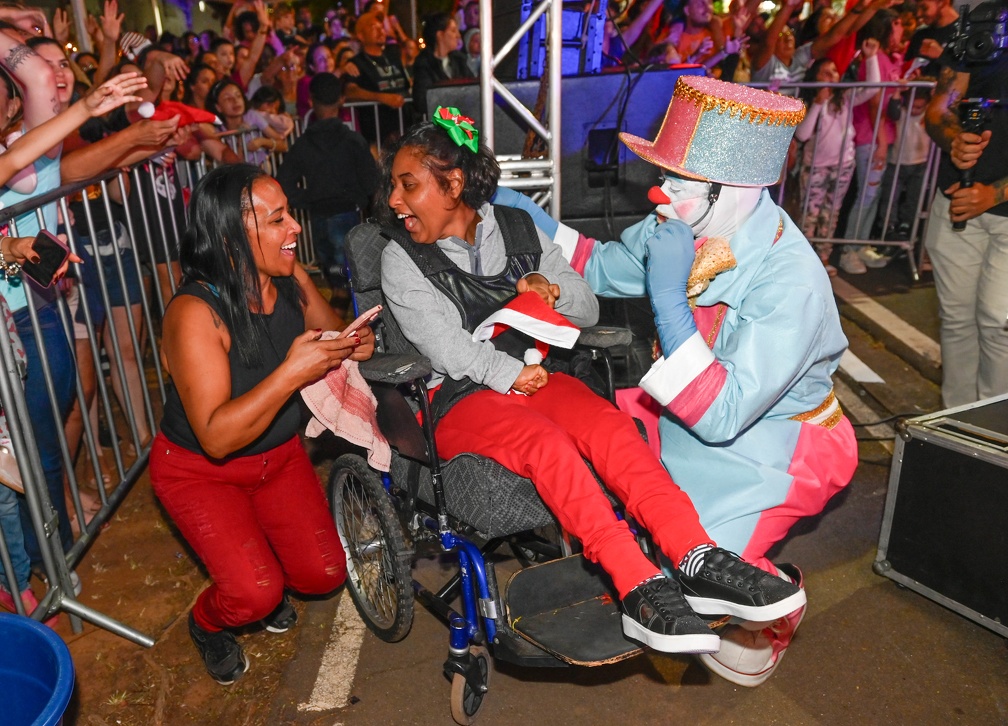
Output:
x=945 y=525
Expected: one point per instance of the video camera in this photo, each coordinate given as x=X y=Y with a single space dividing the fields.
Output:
x=981 y=33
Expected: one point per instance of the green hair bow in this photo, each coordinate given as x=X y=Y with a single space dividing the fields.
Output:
x=460 y=128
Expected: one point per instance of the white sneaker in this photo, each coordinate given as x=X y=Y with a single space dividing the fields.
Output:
x=851 y=263
x=749 y=653
x=872 y=257
x=748 y=658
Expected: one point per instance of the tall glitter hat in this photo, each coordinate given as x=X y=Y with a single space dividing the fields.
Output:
x=722 y=132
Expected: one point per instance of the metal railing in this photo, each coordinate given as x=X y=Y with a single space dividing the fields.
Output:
x=868 y=212
x=105 y=315
x=365 y=113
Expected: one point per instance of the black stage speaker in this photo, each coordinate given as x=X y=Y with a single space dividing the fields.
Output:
x=943 y=531
x=598 y=174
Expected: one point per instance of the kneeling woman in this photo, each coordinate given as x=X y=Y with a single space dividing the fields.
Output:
x=453 y=260
x=241 y=337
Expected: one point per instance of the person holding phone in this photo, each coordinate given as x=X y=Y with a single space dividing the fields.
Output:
x=242 y=336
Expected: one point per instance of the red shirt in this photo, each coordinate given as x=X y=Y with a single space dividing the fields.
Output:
x=843 y=52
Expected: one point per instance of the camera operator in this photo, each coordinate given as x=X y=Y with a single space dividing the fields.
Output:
x=971 y=264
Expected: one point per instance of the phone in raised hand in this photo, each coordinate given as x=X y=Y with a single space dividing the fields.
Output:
x=362 y=320
x=52 y=252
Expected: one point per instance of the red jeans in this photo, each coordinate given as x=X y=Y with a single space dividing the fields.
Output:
x=544 y=436
x=259 y=523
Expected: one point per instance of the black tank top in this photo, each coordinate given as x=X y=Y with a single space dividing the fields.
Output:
x=284 y=324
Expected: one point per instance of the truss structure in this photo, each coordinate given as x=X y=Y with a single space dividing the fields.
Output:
x=539 y=177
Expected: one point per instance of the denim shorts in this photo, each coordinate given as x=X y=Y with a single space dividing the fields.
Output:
x=107 y=251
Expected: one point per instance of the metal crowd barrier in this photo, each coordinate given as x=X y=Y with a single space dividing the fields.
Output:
x=364 y=113
x=866 y=214
x=132 y=248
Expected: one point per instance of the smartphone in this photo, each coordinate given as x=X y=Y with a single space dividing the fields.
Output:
x=52 y=252
x=362 y=320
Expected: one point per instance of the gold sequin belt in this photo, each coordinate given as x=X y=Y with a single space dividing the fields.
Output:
x=827 y=414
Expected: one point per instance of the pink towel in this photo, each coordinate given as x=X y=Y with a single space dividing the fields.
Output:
x=343 y=403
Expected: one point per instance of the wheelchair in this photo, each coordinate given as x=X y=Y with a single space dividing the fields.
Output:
x=557 y=611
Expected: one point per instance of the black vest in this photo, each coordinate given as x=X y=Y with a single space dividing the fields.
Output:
x=478 y=296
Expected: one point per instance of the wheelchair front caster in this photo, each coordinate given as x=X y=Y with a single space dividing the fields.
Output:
x=469 y=689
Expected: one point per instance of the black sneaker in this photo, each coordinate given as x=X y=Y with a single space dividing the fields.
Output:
x=223 y=657
x=282 y=619
x=655 y=613
x=728 y=586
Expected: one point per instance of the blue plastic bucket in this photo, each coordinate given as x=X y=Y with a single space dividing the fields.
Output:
x=36 y=673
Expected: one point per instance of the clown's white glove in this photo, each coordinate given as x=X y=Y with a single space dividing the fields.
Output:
x=670 y=257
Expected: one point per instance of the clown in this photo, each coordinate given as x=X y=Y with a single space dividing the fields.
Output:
x=749 y=335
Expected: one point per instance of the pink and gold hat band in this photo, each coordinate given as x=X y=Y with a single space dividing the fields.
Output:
x=722 y=132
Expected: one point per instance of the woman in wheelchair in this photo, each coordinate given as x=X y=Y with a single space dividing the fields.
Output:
x=241 y=337
x=454 y=259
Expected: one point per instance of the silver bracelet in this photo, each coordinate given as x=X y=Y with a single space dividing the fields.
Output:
x=9 y=269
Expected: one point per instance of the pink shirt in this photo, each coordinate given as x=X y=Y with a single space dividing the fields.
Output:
x=864 y=115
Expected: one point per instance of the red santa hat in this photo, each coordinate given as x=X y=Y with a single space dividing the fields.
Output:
x=169 y=109
x=529 y=314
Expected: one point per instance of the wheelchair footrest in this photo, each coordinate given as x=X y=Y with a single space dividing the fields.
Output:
x=568 y=607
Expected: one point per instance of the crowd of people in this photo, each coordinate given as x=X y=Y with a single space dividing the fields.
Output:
x=841 y=165
x=255 y=74
x=243 y=332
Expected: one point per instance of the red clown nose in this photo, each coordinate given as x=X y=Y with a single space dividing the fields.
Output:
x=656 y=196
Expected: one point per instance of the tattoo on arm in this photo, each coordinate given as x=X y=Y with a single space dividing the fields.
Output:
x=943 y=124
x=18 y=55
x=1000 y=190
x=944 y=83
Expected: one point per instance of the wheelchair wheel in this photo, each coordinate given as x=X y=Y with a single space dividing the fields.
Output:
x=378 y=560
x=466 y=701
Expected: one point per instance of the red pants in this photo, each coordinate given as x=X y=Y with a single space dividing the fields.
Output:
x=544 y=436
x=259 y=523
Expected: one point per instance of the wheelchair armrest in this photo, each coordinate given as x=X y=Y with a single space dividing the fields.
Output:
x=395 y=368
x=604 y=337
x=599 y=339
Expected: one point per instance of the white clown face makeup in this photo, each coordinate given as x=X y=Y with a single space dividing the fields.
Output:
x=687 y=199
